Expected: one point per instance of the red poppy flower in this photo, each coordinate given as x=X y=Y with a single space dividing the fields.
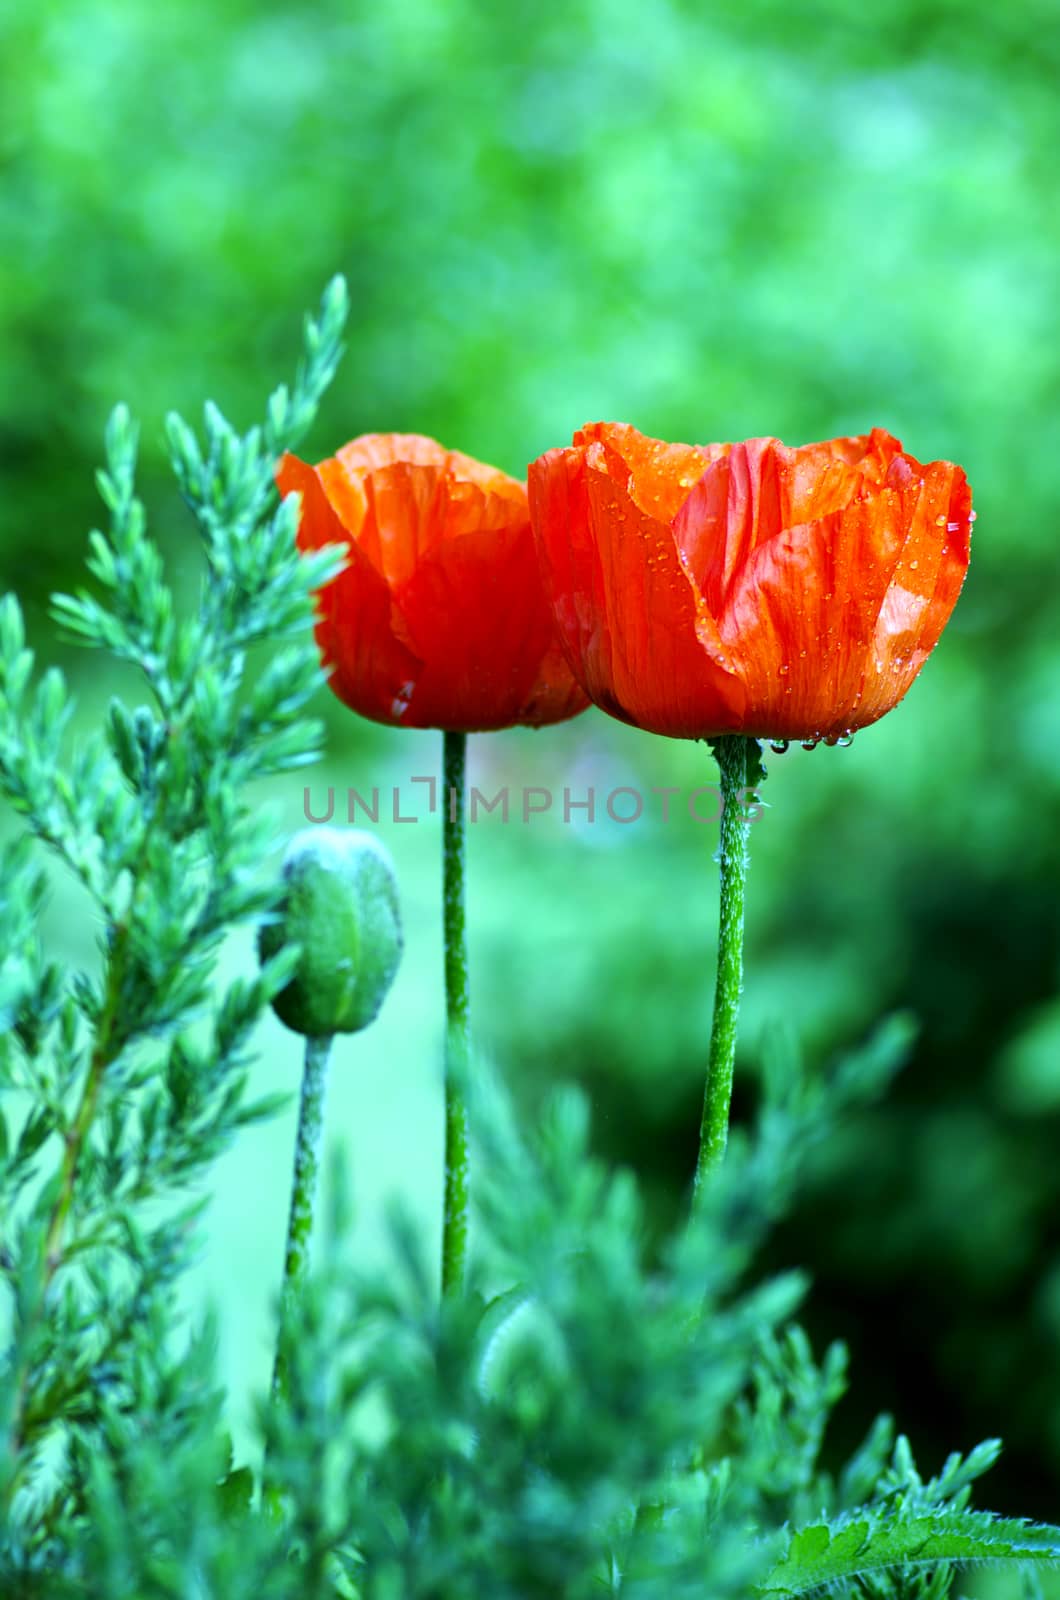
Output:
x=748 y=588
x=439 y=620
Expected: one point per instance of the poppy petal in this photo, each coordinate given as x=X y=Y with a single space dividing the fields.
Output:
x=779 y=592
x=370 y=664
x=439 y=619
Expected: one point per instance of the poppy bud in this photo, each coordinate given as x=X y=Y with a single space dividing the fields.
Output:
x=340 y=906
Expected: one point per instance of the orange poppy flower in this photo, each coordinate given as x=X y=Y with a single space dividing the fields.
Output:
x=439 y=619
x=748 y=588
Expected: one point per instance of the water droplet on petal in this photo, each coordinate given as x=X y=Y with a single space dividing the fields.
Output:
x=972 y=515
x=784 y=669
x=810 y=744
x=845 y=740
x=402 y=700
x=780 y=746
x=940 y=520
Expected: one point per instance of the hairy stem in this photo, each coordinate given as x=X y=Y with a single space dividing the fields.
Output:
x=457 y=1041
x=732 y=753
x=303 y=1192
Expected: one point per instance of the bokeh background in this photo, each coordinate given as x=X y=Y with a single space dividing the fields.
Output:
x=721 y=220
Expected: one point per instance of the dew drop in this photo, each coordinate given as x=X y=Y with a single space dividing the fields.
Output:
x=913 y=565
x=940 y=520
x=845 y=740
x=402 y=700
x=972 y=515
x=810 y=744
x=779 y=746
x=785 y=669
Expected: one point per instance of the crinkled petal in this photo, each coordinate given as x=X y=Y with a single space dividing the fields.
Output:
x=826 y=621
x=656 y=475
x=800 y=618
x=815 y=580
x=361 y=636
x=486 y=652
x=627 y=614
x=759 y=490
x=440 y=620
x=925 y=584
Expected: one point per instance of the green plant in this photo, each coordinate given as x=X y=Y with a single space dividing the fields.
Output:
x=127 y=1106
x=599 y=1411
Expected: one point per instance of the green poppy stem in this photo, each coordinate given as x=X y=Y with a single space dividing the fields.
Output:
x=303 y=1193
x=457 y=1040
x=732 y=753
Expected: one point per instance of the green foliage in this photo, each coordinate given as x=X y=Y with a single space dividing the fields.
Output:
x=593 y=1417
x=134 y=1075
x=886 y=1557
x=716 y=220
x=599 y=1413
x=609 y=1421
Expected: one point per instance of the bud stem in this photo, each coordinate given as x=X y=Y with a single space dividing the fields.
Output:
x=303 y=1192
x=457 y=1044
x=731 y=752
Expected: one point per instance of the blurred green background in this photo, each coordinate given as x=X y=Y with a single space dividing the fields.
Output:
x=714 y=221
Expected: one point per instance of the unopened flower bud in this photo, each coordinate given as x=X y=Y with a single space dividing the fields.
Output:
x=340 y=906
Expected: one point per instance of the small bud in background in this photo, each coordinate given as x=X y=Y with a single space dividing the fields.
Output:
x=340 y=906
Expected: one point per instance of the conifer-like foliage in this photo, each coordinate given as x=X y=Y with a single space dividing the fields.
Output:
x=598 y=1414
x=126 y=1106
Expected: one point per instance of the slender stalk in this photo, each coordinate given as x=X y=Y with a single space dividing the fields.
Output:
x=102 y=1055
x=108 y=1043
x=731 y=752
x=303 y=1193
x=457 y=1041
